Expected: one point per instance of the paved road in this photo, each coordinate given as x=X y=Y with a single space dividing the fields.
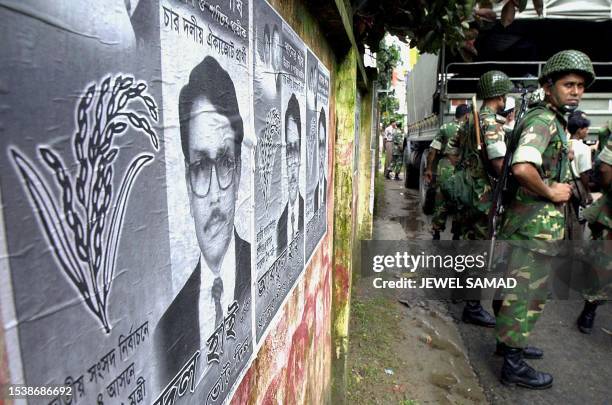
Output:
x=581 y=364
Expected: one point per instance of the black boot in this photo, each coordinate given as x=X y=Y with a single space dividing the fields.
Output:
x=587 y=317
x=497 y=304
x=516 y=371
x=476 y=314
x=436 y=235
x=529 y=352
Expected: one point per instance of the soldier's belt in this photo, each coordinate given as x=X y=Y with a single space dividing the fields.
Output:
x=452 y=158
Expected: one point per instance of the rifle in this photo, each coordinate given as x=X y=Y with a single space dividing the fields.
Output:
x=503 y=184
x=476 y=123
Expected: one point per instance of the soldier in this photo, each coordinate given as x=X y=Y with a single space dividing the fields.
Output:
x=540 y=167
x=484 y=167
x=602 y=136
x=599 y=217
x=398 y=159
x=446 y=146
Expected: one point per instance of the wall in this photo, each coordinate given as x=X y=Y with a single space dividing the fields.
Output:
x=113 y=245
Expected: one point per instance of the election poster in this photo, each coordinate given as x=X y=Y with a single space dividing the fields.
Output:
x=316 y=153
x=204 y=336
x=85 y=253
x=279 y=116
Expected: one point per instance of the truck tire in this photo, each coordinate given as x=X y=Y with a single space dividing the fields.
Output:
x=422 y=186
x=412 y=170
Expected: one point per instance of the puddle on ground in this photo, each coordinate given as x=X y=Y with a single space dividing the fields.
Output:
x=411 y=224
x=447 y=363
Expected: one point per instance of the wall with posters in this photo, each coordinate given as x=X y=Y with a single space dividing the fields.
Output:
x=167 y=201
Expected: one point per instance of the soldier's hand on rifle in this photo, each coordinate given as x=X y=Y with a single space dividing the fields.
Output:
x=428 y=175
x=560 y=192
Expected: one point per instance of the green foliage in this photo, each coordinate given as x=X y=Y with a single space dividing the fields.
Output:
x=427 y=25
x=387 y=59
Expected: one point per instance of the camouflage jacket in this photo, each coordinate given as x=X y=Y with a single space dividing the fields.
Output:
x=398 y=141
x=492 y=128
x=543 y=143
x=493 y=136
x=601 y=211
x=446 y=140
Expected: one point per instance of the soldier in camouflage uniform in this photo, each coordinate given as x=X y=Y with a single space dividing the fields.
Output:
x=602 y=136
x=599 y=217
x=483 y=168
x=492 y=89
x=397 y=151
x=446 y=145
x=540 y=167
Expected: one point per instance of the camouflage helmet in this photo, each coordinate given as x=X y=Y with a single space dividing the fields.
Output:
x=492 y=84
x=567 y=62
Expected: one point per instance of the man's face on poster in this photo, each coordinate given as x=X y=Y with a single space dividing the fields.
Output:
x=322 y=149
x=293 y=157
x=276 y=50
x=267 y=46
x=213 y=173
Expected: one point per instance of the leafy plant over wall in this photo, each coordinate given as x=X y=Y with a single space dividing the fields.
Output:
x=427 y=24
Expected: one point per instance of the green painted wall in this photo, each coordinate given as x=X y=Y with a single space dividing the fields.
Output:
x=345 y=88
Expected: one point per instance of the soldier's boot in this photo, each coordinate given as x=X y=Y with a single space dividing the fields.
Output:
x=436 y=235
x=497 y=304
x=516 y=371
x=587 y=317
x=397 y=177
x=456 y=230
x=529 y=352
x=474 y=313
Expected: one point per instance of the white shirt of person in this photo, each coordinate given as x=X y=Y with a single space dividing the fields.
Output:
x=295 y=210
x=389 y=133
x=206 y=303
x=582 y=156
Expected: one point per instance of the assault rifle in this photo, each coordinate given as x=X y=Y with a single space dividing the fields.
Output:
x=503 y=184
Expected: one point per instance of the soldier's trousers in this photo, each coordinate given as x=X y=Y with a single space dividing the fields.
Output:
x=600 y=259
x=523 y=305
x=396 y=164
x=442 y=209
x=388 y=155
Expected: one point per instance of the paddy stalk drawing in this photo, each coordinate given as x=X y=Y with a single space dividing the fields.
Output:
x=83 y=216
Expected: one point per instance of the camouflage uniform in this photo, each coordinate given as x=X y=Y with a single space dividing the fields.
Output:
x=599 y=217
x=602 y=136
x=543 y=142
x=446 y=143
x=397 y=161
x=476 y=223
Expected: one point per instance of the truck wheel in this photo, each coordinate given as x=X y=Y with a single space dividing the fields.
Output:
x=412 y=171
x=422 y=185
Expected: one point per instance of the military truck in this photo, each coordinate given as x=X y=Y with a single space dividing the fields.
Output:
x=438 y=83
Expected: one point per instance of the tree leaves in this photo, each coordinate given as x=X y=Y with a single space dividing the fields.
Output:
x=430 y=24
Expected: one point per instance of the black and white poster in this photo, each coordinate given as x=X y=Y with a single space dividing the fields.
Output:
x=205 y=335
x=85 y=253
x=317 y=84
x=279 y=115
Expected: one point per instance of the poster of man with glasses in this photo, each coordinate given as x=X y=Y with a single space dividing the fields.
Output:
x=205 y=332
x=317 y=108
x=279 y=116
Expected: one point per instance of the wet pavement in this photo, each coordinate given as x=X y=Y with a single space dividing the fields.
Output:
x=581 y=364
